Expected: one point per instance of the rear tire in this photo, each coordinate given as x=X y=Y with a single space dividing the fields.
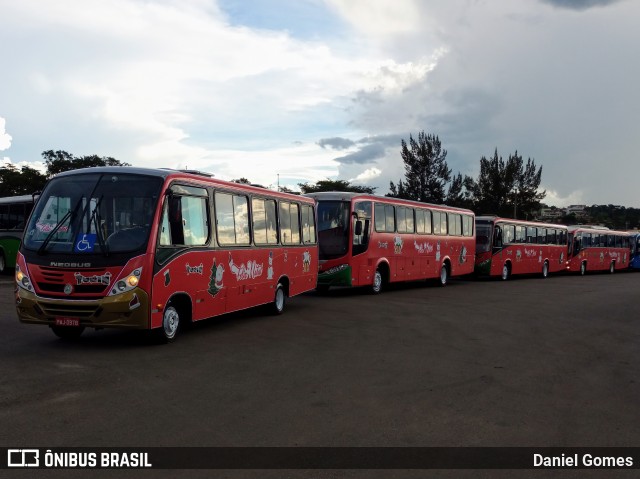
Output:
x=545 y=269
x=68 y=333
x=583 y=268
x=612 y=267
x=3 y=263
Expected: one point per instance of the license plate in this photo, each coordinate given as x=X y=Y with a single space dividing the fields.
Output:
x=64 y=321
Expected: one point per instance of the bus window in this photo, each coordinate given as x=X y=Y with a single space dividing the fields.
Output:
x=577 y=244
x=467 y=225
x=497 y=237
x=390 y=219
x=264 y=221
x=532 y=235
x=361 y=226
x=289 y=223
x=542 y=236
x=308 y=224
x=508 y=234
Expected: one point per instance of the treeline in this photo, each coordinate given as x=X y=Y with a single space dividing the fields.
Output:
x=26 y=180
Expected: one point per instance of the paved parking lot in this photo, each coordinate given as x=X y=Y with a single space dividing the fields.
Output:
x=528 y=362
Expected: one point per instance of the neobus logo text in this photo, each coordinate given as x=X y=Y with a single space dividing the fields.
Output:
x=70 y=265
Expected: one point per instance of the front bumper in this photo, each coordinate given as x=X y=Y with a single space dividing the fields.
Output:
x=128 y=310
x=341 y=277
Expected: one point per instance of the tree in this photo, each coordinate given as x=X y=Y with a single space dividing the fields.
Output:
x=242 y=181
x=59 y=161
x=25 y=181
x=335 y=185
x=507 y=188
x=427 y=174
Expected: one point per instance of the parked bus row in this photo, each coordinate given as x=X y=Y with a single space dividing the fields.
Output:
x=156 y=249
x=136 y=248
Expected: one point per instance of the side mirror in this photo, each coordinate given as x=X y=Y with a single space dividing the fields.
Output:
x=358 y=228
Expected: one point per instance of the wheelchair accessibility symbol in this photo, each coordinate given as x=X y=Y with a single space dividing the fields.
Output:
x=85 y=243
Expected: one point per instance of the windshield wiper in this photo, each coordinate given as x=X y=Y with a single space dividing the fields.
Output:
x=97 y=220
x=47 y=240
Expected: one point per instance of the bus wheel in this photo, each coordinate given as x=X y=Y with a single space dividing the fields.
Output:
x=68 y=333
x=506 y=272
x=583 y=268
x=545 y=269
x=612 y=267
x=444 y=275
x=3 y=263
x=279 y=300
x=376 y=287
x=170 y=325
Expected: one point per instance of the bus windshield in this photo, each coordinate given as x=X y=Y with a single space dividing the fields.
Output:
x=93 y=213
x=333 y=229
x=483 y=237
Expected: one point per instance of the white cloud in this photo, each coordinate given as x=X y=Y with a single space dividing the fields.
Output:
x=5 y=138
x=554 y=198
x=367 y=175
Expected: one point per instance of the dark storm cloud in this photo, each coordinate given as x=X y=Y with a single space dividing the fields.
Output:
x=364 y=155
x=375 y=147
x=336 y=143
x=580 y=4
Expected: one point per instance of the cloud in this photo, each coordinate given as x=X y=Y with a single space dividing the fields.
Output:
x=367 y=176
x=5 y=138
x=580 y=4
x=336 y=143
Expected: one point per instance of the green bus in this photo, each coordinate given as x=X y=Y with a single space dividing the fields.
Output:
x=14 y=211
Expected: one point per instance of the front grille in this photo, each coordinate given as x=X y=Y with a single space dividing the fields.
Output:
x=83 y=288
x=75 y=310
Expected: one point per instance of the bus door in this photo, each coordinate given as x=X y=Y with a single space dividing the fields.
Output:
x=363 y=265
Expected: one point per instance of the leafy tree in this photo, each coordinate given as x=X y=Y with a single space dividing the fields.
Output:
x=59 y=161
x=25 y=181
x=426 y=172
x=507 y=188
x=242 y=181
x=334 y=185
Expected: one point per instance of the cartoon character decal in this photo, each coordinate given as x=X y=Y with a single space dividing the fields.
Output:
x=540 y=257
x=397 y=245
x=215 y=280
x=438 y=251
x=463 y=255
x=518 y=256
x=561 y=260
x=306 y=261
x=601 y=257
x=270 y=267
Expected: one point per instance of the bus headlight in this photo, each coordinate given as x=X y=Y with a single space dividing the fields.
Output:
x=23 y=280
x=127 y=283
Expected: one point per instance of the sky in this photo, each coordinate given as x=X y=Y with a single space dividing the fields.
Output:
x=292 y=91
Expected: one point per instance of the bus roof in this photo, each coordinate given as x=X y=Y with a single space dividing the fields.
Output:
x=191 y=175
x=496 y=219
x=348 y=196
x=6 y=200
x=598 y=229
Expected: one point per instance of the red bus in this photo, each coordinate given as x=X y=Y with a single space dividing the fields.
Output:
x=369 y=240
x=121 y=247
x=505 y=247
x=593 y=248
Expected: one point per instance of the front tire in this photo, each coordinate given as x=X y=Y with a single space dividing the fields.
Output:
x=444 y=275
x=612 y=268
x=506 y=272
x=279 y=300
x=583 y=268
x=168 y=331
x=545 y=269
x=3 y=263
x=376 y=287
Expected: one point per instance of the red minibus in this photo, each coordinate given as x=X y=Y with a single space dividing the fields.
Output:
x=505 y=247
x=370 y=240
x=122 y=247
x=594 y=248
